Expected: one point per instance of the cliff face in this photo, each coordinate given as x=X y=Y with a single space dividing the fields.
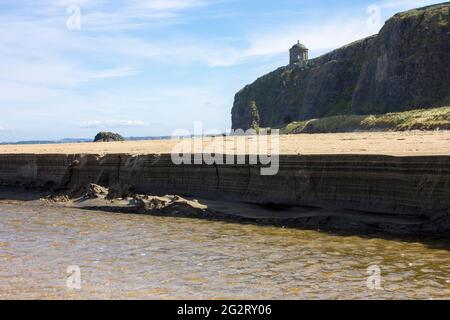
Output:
x=405 y=66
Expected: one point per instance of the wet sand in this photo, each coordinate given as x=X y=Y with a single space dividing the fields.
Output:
x=411 y=143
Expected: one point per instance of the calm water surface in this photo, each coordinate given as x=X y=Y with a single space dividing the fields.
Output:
x=145 y=257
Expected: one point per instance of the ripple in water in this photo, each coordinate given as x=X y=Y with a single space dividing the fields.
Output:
x=146 y=257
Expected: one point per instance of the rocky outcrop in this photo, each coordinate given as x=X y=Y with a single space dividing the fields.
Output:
x=108 y=137
x=407 y=193
x=404 y=67
x=126 y=201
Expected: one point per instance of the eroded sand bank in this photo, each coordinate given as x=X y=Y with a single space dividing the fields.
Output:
x=395 y=182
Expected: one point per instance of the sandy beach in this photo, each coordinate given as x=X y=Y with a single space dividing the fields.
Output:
x=411 y=143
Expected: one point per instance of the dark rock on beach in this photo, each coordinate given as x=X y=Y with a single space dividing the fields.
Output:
x=108 y=137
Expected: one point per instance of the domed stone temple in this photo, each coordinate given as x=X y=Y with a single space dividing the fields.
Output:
x=298 y=54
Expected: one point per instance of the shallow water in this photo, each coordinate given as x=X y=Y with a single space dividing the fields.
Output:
x=146 y=257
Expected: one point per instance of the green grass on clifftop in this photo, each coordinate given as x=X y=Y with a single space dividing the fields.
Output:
x=441 y=8
x=420 y=119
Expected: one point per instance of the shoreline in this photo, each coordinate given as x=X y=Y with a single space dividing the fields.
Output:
x=345 y=223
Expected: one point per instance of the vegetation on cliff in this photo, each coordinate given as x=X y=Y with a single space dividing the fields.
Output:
x=422 y=119
x=255 y=115
x=404 y=67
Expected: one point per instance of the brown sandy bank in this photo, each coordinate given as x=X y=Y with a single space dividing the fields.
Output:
x=394 y=182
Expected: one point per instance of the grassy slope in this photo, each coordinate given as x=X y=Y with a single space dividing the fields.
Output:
x=420 y=119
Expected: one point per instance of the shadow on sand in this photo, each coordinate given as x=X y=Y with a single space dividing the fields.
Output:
x=325 y=225
x=336 y=226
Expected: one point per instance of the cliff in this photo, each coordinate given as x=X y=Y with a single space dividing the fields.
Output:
x=404 y=67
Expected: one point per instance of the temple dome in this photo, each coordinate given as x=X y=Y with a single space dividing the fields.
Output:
x=299 y=45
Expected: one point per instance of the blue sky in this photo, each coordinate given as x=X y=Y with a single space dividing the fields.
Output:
x=149 y=67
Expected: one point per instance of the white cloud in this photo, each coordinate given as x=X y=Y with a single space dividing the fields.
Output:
x=36 y=51
x=112 y=123
x=122 y=14
x=167 y=4
x=113 y=73
x=327 y=36
x=220 y=52
x=330 y=35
